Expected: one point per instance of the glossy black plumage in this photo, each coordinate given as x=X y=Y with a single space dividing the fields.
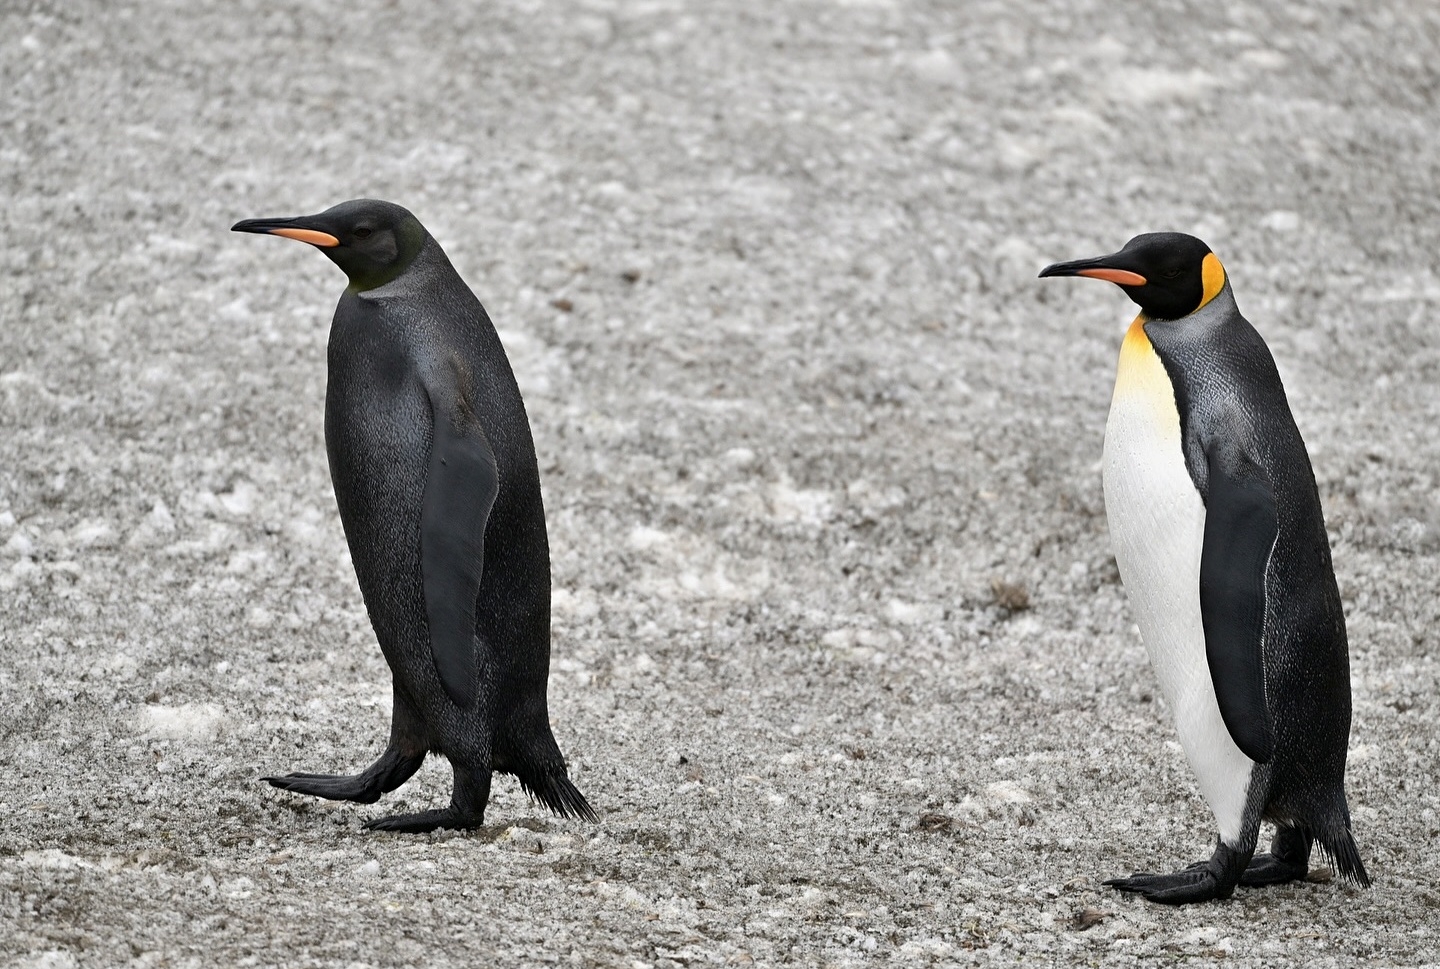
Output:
x=436 y=480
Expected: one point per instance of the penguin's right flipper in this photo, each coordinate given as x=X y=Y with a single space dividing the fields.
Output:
x=459 y=492
x=1241 y=523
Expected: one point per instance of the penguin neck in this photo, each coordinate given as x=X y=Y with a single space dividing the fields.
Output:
x=1210 y=315
x=1147 y=338
x=414 y=242
x=379 y=284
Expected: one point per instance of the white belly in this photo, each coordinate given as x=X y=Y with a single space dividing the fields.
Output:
x=1157 y=528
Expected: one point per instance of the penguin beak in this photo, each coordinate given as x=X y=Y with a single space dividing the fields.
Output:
x=1102 y=267
x=290 y=229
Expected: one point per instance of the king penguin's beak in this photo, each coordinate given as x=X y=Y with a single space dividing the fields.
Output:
x=290 y=229
x=1101 y=267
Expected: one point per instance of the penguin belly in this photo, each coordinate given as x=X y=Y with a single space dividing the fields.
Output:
x=1157 y=530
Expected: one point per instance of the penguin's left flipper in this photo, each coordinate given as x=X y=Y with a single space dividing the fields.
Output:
x=459 y=493
x=1241 y=523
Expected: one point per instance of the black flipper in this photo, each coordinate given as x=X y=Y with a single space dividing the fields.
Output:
x=459 y=493
x=1241 y=523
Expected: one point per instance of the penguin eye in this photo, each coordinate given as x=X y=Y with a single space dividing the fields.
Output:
x=1171 y=273
x=362 y=232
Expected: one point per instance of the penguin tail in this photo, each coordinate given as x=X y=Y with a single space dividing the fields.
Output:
x=555 y=791
x=1339 y=844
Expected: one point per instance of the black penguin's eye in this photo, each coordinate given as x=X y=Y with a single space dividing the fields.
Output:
x=1171 y=273
x=362 y=233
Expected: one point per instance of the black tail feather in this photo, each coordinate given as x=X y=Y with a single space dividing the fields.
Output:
x=1339 y=846
x=557 y=793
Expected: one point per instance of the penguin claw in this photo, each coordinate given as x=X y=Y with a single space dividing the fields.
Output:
x=424 y=821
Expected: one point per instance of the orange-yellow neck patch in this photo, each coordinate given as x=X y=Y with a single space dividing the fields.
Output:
x=1142 y=387
x=1212 y=277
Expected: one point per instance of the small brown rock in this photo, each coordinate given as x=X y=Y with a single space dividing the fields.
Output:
x=935 y=821
x=1010 y=596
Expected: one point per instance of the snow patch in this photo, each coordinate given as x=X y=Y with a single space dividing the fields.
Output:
x=805 y=506
x=913 y=612
x=19 y=544
x=189 y=721
x=1281 y=220
x=643 y=538
x=240 y=499
x=54 y=858
x=93 y=532
x=1007 y=792
x=1141 y=85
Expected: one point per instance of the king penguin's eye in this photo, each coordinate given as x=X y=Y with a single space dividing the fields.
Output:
x=362 y=233
x=1170 y=273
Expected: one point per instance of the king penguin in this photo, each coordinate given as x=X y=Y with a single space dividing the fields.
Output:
x=1216 y=526
x=435 y=475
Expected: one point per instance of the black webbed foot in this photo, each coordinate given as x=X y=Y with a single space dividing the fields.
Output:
x=466 y=810
x=336 y=787
x=425 y=821
x=1203 y=881
x=389 y=772
x=1287 y=860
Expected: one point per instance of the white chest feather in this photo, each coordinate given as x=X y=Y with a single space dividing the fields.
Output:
x=1157 y=529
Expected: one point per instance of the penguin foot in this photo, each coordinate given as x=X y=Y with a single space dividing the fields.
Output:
x=425 y=821
x=1203 y=881
x=336 y=787
x=1193 y=884
x=1287 y=860
x=394 y=768
x=1267 y=869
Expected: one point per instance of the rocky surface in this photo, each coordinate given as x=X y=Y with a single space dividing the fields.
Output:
x=840 y=654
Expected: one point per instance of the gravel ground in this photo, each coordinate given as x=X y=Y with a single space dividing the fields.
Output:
x=840 y=653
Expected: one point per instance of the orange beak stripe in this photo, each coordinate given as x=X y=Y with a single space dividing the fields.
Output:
x=322 y=239
x=1114 y=276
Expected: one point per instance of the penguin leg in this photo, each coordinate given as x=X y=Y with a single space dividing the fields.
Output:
x=1287 y=860
x=1203 y=881
x=401 y=759
x=466 y=810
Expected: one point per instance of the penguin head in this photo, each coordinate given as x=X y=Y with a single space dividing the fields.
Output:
x=372 y=241
x=1169 y=274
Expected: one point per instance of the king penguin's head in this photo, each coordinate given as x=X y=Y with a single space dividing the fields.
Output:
x=372 y=241
x=1169 y=274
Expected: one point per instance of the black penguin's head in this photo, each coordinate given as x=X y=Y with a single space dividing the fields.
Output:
x=372 y=241
x=1169 y=274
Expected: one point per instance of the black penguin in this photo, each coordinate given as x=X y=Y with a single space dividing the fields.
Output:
x=435 y=475
x=1217 y=529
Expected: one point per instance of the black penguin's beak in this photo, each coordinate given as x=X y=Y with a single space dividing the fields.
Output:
x=290 y=229
x=1109 y=268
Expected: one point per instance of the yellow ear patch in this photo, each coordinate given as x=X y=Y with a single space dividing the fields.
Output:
x=1212 y=277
